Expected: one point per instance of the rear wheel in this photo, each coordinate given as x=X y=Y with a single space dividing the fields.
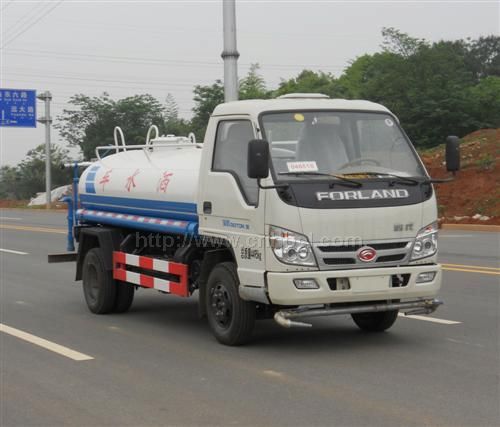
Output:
x=375 y=322
x=124 y=296
x=99 y=286
x=231 y=318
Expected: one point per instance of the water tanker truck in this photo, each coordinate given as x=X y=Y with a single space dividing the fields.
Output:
x=292 y=208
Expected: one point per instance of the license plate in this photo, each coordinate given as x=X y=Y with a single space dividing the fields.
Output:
x=370 y=283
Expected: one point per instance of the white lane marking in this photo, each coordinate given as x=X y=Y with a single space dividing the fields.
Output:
x=271 y=373
x=10 y=251
x=8 y=218
x=430 y=319
x=464 y=342
x=49 y=345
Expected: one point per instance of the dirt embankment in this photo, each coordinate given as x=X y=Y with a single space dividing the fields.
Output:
x=474 y=196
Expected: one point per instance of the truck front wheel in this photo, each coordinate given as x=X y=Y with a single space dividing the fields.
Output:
x=231 y=318
x=99 y=287
x=375 y=322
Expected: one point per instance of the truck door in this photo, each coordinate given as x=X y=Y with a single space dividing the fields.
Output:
x=230 y=201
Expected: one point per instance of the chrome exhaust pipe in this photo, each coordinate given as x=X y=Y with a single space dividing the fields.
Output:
x=281 y=320
x=283 y=317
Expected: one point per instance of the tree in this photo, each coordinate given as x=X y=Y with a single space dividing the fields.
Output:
x=310 y=82
x=206 y=98
x=485 y=105
x=173 y=124
x=400 y=43
x=9 y=181
x=28 y=178
x=171 y=108
x=354 y=77
x=253 y=86
x=91 y=122
x=482 y=56
x=426 y=85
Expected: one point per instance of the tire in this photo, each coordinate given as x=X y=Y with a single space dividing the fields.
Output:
x=124 y=296
x=231 y=318
x=375 y=322
x=99 y=287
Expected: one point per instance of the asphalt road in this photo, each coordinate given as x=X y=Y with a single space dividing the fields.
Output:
x=159 y=365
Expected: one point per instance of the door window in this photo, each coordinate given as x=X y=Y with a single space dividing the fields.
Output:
x=231 y=153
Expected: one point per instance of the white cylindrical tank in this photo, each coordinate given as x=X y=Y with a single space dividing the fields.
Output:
x=159 y=180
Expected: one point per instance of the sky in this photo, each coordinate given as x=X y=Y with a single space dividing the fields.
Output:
x=160 y=47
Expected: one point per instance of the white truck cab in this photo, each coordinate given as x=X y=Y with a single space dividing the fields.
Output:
x=346 y=214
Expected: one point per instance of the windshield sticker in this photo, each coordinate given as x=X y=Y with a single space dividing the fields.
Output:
x=298 y=117
x=310 y=166
x=389 y=122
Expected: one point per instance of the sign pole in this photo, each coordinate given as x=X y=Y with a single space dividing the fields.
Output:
x=47 y=120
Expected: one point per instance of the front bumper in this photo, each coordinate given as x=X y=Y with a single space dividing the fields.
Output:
x=421 y=306
x=370 y=284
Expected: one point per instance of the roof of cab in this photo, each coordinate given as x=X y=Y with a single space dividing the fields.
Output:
x=294 y=102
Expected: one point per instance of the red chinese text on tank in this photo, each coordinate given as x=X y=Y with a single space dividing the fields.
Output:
x=131 y=181
x=105 y=178
x=163 y=182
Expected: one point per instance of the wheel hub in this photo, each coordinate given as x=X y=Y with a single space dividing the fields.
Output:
x=93 y=282
x=222 y=306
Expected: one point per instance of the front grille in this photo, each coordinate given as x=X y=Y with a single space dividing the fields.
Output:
x=389 y=258
x=389 y=253
x=354 y=248
x=334 y=261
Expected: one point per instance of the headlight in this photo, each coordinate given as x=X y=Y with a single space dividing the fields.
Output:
x=291 y=248
x=426 y=242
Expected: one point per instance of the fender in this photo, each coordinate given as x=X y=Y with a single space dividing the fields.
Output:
x=210 y=260
x=108 y=239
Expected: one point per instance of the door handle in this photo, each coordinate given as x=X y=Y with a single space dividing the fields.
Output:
x=207 y=207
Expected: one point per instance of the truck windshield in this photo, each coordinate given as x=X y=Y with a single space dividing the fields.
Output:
x=341 y=143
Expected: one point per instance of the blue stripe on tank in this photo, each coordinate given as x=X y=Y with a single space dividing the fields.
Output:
x=189 y=228
x=157 y=208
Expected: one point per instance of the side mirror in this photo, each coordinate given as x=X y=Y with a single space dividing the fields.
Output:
x=258 y=159
x=452 y=154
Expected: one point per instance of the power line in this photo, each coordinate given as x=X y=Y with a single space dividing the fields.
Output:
x=57 y=82
x=241 y=32
x=156 y=61
x=67 y=104
x=58 y=94
x=5 y=6
x=32 y=12
x=66 y=77
x=107 y=78
x=32 y=24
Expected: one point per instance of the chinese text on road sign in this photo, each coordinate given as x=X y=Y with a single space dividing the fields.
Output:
x=18 y=108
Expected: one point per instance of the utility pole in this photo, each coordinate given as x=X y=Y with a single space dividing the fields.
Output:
x=47 y=120
x=230 y=53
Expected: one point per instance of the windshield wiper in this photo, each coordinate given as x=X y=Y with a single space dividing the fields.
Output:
x=401 y=179
x=311 y=173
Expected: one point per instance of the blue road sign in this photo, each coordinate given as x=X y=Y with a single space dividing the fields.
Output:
x=18 y=108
